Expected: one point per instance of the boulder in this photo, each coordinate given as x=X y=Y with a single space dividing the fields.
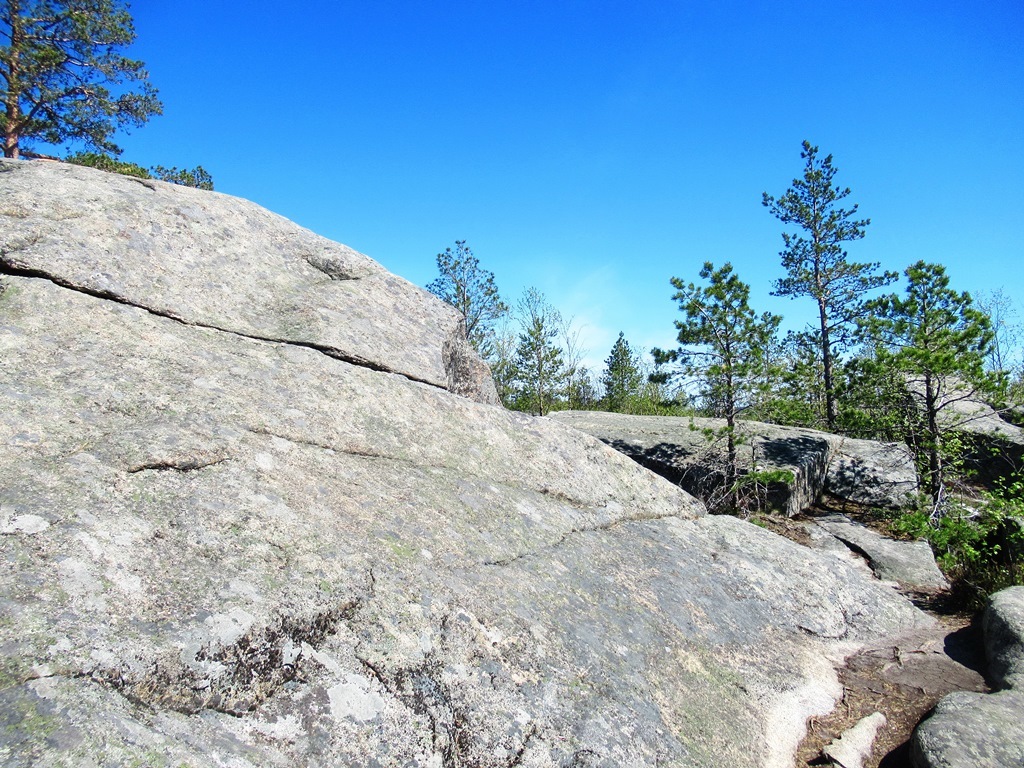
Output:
x=911 y=564
x=977 y=730
x=1003 y=623
x=871 y=473
x=245 y=520
x=972 y=730
x=861 y=471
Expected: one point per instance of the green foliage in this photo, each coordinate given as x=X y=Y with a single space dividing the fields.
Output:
x=471 y=290
x=723 y=343
x=796 y=396
x=63 y=76
x=540 y=373
x=874 y=403
x=980 y=550
x=196 y=177
x=816 y=262
x=622 y=379
x=756 y=491
x=936 y=342
x=107 y=163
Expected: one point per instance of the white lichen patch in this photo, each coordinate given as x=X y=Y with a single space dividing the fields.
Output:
x=226 y=628
x=286 y=728
x=79 y=581
x=265 y=461
x=354 y=699
x=29 y=524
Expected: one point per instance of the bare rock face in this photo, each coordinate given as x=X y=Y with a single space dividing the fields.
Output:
x=862 y=471
x=244 y=521
x=223 y=263
x=972 y=730
x=1004 y=637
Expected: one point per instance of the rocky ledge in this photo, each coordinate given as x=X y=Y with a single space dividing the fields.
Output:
x=864 y=472
x=248 y=518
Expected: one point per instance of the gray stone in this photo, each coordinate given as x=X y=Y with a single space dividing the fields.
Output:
x=972 y=730
x=871 y=473
x=1003 y=624
x=862 y=471
x=226 y=544
x=854 y=747
x=211 y=260
x=911 y=564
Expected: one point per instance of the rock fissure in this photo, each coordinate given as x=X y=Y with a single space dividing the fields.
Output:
x=147 y=183
x=606 y=526
x=419 y=688
x=178 y=464
x=7 y=267
x=517 y=758
x=330 y=268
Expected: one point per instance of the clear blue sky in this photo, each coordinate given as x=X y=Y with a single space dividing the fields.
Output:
x=596 y=149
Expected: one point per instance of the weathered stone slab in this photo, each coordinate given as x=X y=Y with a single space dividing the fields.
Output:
x=217 y=261
x=871 y=473
x=853 y=748
x=972 y=730
x=861 y=471
x=911 y=564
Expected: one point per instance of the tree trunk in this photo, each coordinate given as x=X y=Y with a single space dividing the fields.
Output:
x=935 y=479
x=732 y=468
x=12 y=133
x=831 y=407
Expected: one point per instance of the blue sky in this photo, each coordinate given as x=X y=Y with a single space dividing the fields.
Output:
x=596 y=149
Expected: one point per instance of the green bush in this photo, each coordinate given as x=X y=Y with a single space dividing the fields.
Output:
x=197 y=177
x=980 y=550
x=108 y=163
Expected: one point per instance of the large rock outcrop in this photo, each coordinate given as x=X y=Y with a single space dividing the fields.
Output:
x=244 y=521
x=861 y=471
x=218 y=262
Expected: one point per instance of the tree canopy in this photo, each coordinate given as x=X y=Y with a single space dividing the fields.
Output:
x=63 y=77
x=938 y=340
x=540 y=369
x=623 y=378
x=816 y=263
x=471 y=290
x=724 y=343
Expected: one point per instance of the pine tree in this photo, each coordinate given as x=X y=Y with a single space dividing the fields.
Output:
x=471 y=290
x=816 y=262
x=938 y=341
x=623 y=380
x=724 y=343
x=540 y=364
x=63 y=76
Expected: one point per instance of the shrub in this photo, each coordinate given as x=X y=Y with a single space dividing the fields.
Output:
x=197 y=177
x=108 y=163
x=981 y=550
